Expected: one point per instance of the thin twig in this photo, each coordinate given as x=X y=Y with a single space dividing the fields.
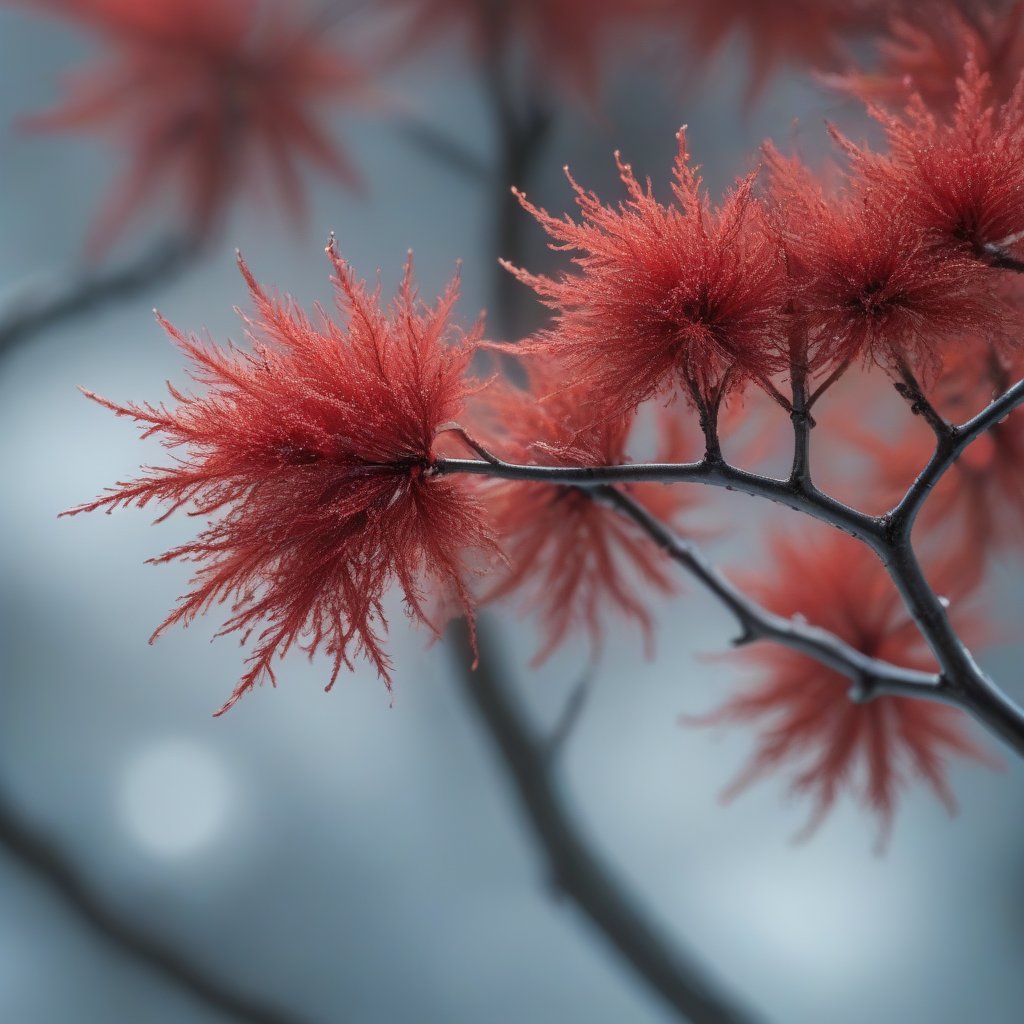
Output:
x=949 y=448
x=35 y=310
x=44 y=858
x=827 y=383
x=713 y=473
x=870 y=676
x=575 y=869
x=910 y=389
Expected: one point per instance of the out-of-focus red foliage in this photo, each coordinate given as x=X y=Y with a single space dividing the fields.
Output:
x=664 y=295
x=205 y=94
x=567 y=40
x=808 y=723
x=574 y=563
x=929 y=41
x=311 y=455
x=803 y=32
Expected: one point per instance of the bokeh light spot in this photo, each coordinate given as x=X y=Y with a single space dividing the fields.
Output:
x=174 y=798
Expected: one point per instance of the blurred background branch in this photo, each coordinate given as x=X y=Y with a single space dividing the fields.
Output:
x=575 y=869
x=44 y=858
x=38 y=307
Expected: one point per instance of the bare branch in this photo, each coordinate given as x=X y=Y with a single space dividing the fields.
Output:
x=576 y=870
x=711 y=472
x=910 y=389
x=949 y=448
x=870 y=677
x=34 y=311
x=45 y=859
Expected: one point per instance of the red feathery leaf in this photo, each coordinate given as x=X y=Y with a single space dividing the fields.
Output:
x=312 y=454
x=663 y=295
x=927 y=45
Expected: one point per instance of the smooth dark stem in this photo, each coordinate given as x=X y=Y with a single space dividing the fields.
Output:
x=800 y=475
x=575 y=869
x=949 y=448
x=1002 y=260
x=43 y=857
x=962 y=681
x=35 y=310
x=715 y=473
x=911 y=390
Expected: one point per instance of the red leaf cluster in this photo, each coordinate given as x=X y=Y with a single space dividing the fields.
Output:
x=311 y=456
x=663 y=295
x=927 y=44
x=808 y=723
x=205 y=94
x=574 y=563
x=959 y=177
x=804 y=32
x=899 y=264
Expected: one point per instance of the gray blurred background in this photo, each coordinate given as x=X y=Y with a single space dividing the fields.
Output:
x=363 y=861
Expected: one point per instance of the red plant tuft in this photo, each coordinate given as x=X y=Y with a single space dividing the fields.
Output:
x=960 y=178
x=210 y=94
x=869 y=281
x=808 y=719
x=927 y=45
x=575 y=563
x=312 y=456
x=663 y=295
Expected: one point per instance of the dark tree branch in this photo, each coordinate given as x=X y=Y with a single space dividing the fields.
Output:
x=910 y=389
x=870 y=677
x=961 y=680
x=800 y=475
x=575 y=869
x=949 y=448
x=35 y=311
x=708 y=471
x=44 y=858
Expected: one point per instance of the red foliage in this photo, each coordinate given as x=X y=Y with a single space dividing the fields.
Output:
x=209 y=94
x=870 y=282
x=807 y=32
x=960 y=178
x=664 y=294
x=575 y=563
x=313 y=453
x=809 y=722
x=928 y=44
x=566 y=39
